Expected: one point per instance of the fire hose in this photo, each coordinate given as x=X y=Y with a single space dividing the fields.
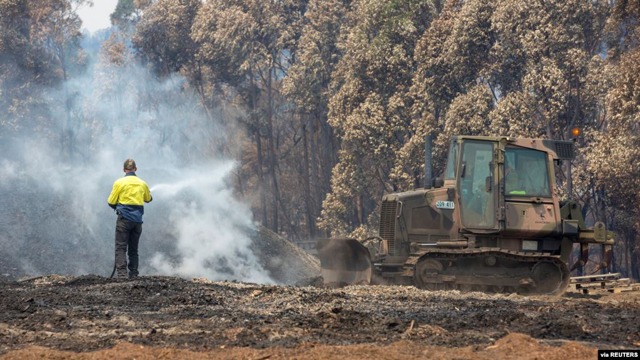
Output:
x=114 y=271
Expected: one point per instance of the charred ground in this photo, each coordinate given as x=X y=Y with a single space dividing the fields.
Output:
x=96 y=317
x=89 y=313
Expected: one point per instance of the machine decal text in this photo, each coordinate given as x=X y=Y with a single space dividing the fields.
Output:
x=445 y=204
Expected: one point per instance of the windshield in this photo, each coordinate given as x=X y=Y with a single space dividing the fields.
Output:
x=526 y=173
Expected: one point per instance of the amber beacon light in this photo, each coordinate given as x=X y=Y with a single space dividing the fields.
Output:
x=575 y=132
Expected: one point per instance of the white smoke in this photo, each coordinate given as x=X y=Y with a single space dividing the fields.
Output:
x=55 y=214
x=210 y=227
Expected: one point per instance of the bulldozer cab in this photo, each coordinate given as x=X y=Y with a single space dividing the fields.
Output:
x=494 y=173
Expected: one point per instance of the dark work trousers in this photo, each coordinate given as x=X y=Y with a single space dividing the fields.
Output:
x=127 y=237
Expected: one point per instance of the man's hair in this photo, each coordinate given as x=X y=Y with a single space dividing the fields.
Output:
x=129 y=164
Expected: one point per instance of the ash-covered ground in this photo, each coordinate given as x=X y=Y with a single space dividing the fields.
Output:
x=94 y=317
x=89 y=316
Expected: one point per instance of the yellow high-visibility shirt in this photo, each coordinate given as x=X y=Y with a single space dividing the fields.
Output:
x=129 y=190
x=128 y=196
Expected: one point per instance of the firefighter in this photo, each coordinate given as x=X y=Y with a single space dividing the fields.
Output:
x=127 y=198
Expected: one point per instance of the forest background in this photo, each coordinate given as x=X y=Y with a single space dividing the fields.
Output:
x=323 y=105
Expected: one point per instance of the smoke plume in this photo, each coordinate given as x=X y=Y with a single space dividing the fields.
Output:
x=55 y=179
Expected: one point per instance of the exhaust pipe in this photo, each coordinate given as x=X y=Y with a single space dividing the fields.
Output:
x=428 y=155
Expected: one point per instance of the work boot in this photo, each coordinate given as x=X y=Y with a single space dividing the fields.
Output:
x=133 y=270
x=133 y=264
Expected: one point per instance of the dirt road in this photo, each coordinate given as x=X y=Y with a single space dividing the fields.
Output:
x=94 y=317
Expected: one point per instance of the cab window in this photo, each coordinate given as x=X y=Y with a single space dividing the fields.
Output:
x=451 y=162
x=526 y=173
x=476 y=193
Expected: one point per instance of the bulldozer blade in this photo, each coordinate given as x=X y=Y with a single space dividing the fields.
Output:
x=344 y=262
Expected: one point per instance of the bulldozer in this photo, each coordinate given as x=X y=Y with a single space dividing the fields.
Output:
x=493 y=222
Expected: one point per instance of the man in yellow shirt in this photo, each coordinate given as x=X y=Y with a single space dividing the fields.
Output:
x=127 y=198
x=514 y=183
